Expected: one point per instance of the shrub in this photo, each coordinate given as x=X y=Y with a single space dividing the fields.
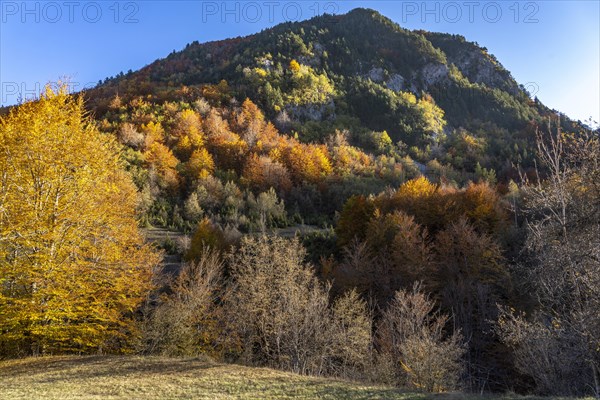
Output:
x=282 y=316
x=185 y=321
x=412 y=343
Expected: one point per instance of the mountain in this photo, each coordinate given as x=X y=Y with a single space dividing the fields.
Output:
x=359 y=71
x=320 y=110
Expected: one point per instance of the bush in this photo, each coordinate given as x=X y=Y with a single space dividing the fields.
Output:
x=207 y=235
x=185 y=320
x=282 y=316
x=413 y=347
x=546 y=350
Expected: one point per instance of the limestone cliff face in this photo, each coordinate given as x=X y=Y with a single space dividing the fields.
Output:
x=432 y=74
x=474 y=62
x=393 y=81
x=312 y=112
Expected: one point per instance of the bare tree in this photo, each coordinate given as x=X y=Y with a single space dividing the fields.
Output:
x=563 y=267
x=282 y=315
x=129 y=135
x=186 y=319
x=411 y=338
x=350 y=335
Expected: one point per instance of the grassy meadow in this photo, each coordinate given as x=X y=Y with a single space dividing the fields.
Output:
x=136 y=377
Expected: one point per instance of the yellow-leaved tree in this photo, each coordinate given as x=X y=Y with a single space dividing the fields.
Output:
x=73 y=266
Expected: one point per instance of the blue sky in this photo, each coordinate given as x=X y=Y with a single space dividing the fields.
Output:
x=552 y=47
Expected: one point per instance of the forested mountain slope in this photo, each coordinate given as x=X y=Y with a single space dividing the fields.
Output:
x=438 y=95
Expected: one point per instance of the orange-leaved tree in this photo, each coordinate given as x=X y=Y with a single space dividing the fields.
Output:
x=73 y=266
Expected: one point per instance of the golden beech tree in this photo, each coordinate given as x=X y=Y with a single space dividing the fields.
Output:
x=161 y=159
x=200 y=164
x=73 y=266
x=207 y=236
x=250 y=121
x=306 y=162
x=294 y=66
x=226 y=147
x=261 y=173
x=428 y=203
x=154 y=133
x=188 y=132
x=268 y=139
x=418 y=188
x=481 y=204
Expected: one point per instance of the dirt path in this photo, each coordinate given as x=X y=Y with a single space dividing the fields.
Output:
x=159 y=236
x=172 y=262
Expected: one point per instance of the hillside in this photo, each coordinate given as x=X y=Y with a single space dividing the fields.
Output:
x=359 y=72
x=367 y=103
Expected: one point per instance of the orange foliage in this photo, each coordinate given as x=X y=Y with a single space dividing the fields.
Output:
x=436 y=207
x=268 y=138
x=248 y=114
x=217 y=93
x=261 y=173
x=426 y=202
x=410 y=249
x=216 y=128
x=161 y=158
x=308 y=163
x=227 y=148
x=229 y=154
x=249 y=122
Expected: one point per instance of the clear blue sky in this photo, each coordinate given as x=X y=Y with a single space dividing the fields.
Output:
x=552 y=47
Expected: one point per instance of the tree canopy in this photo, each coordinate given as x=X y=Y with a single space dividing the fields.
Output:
x=73 y=266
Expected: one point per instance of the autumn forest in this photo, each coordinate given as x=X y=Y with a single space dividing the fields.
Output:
x=351 y=200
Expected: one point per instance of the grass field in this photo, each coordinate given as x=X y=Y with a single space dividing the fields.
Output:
x=134 y=377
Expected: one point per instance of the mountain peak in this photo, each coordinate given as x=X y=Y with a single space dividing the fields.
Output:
x=336 y=55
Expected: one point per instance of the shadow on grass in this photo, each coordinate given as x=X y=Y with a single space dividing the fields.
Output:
x=89 y=367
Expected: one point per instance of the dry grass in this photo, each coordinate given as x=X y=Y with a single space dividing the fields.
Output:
x=134 y=377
